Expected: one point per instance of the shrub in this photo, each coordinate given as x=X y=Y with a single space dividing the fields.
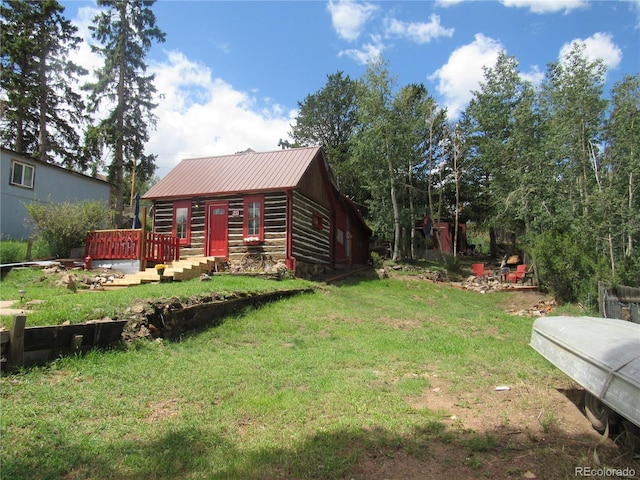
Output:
x=63 y=226
x=376 y=259
x=629 y=270
x=452 y=263
x=564 y=267
x=14 y=251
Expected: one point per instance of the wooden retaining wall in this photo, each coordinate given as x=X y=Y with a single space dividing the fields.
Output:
x=24 y=346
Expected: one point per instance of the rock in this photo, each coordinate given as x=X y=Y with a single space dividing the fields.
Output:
x=138 y=308
x=70 y=282
x=205 y=277
x=432 y=276
x=143 y=332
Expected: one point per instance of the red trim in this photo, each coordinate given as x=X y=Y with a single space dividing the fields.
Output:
x=249 y=199
x=174 y=231
x=207 y=242
x=317 y=221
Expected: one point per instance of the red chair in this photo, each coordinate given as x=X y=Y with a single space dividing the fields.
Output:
x=519 y=274
x=478 y=269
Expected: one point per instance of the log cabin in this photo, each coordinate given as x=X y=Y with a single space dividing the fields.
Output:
x=283 y=204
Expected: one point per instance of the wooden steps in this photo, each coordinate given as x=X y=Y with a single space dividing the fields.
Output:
x=180 y=270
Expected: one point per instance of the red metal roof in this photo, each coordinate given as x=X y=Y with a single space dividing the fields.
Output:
x=242 y=172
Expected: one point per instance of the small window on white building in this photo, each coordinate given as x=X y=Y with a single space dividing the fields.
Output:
x=22 y=174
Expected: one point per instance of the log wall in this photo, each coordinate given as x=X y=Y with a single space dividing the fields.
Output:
x=310 y=244
x=275 y=229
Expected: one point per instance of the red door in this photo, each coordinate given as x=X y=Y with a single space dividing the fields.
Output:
x=217 y=229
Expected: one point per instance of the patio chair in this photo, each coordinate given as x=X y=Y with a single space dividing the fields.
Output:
x=519 y=274
x=478 y=270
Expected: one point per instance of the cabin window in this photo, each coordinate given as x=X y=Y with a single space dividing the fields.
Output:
x=22 y=174
x=182 y=222
x=317 y=221
x=340 y=236
x=254 y=218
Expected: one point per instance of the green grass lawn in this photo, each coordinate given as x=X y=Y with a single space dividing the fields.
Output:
x=53 y=305
x=306 y=387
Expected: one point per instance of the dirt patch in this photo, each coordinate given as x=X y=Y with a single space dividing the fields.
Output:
x=163 y=409
x=6 y=308
x=521 y=431
x=528 y=303
x=501 y=431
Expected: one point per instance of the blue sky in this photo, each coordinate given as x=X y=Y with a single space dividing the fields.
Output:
x=231 y=73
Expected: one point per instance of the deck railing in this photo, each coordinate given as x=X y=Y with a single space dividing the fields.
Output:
x=161 y=248
x=131 y=244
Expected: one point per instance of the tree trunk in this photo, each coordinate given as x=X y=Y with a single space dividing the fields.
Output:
x=412 y=213
x=43 y=138
x=396 y=210
x=493 y=244
x=118 y=165
x=629 y=247
x=457 y=182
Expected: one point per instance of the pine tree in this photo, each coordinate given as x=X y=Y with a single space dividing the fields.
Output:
x=124 y=31
x=42 y=113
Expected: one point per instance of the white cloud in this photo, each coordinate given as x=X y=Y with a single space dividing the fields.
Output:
x=463 y=71
x=83 y=55
x=349 y=17
x=597 y=46
x=418 y=32
x=448 y=3
x=224 y=47
x=547 y=6
x=535 y=76
x=199 y=115
x=367 y=53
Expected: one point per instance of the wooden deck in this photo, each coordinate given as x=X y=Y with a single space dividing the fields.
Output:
x=131 y=244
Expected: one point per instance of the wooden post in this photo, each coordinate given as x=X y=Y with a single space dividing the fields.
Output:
x=28 y=257
x=143 y=241
x=76 y=342
x=15 y=355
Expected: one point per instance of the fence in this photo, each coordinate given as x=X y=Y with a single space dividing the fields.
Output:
x=131 y=244
x=619 y=302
